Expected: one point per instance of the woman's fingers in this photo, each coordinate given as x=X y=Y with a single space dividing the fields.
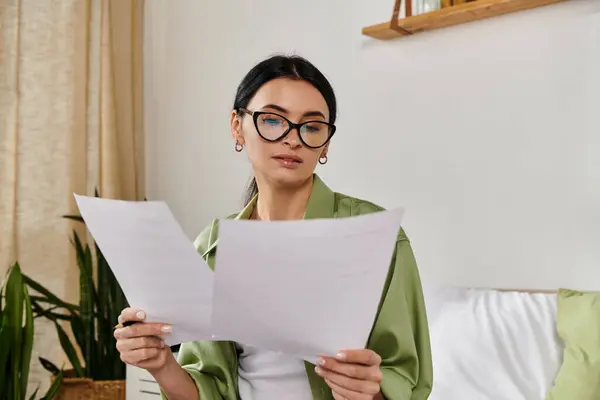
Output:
x=142 y=329
x=140 y=355
x=130 y=344
x=349 y=384
x=342 y=393
x=140 y=343
x=132 y=314
x=361 y=356
x=357 y=371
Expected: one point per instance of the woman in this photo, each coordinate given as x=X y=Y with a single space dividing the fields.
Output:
x=283 y=117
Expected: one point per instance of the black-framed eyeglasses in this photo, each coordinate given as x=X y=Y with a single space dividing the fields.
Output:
x=273 y=127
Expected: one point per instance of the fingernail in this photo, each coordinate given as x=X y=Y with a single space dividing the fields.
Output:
x=318 y=370
x=321 y=361
x=341 y=356
x=141 y=315
x=166 y=328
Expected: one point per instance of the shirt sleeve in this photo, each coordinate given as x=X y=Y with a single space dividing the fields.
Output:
x=192 y=360
x=208 y=364
x=401 y=333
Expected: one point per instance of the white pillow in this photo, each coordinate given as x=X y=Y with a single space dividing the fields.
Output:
x=492 y=345
x=437 y=295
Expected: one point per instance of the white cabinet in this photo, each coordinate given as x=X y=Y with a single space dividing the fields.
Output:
x=141 y=385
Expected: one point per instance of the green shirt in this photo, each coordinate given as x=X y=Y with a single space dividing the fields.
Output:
x=400 y=333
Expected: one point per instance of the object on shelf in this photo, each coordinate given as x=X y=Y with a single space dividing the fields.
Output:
x=425 y=6
x=447 y=16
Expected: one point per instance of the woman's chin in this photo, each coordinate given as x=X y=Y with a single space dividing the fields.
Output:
x=289 y=178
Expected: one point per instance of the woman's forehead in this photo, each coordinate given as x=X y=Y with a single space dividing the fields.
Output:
x=295 y=96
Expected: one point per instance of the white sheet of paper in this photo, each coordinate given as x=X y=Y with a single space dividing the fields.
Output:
x=302 y=288
x=156 y=265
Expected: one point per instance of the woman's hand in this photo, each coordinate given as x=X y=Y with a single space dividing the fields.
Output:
x=140 y=344
x=352 y=375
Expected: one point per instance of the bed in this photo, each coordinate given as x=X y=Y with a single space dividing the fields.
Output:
x=496 y=344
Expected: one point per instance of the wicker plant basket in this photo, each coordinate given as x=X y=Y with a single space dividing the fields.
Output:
x=87 y=389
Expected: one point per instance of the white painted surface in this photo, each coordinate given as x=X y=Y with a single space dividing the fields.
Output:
x=488 y=133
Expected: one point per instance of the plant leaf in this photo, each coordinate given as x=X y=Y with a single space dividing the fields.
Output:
x=69 y=350
x=105 y=345
x=49 y=366
x=77 y=218
x=49 y=296
x=63 y=304
x=53 y=389
x=2 y=284
x=34 y=394
x=4 y=352
x=79 y=332
x=39 y=311
x=118 y=303
x=87 y=298
x=28 y=337
x=86 y=267
x=14 y=313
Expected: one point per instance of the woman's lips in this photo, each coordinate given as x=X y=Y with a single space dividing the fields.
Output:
x=288 y=160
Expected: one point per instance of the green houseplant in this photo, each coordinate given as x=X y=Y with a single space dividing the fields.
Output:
x=17 y=328
x=93 y=355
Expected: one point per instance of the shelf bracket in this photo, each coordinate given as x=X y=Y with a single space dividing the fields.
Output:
x=396 y=14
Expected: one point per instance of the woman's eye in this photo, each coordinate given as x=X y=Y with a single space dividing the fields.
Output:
x=313 y=128
x=271 y=121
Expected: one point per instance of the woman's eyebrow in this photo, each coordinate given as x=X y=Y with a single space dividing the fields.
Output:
x=306 y=114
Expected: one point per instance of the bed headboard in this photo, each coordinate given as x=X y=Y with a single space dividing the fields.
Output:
x=542 y=291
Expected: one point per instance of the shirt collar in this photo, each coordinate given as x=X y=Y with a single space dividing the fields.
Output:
x=321 y=204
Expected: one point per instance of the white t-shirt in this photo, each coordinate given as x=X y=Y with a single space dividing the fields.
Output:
x=267 y=375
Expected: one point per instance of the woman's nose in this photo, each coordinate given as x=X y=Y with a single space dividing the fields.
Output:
x=293 y=138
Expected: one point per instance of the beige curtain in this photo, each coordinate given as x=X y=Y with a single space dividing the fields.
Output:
x=70 y=121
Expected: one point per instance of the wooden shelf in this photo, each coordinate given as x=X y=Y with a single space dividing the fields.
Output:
x=450 y=16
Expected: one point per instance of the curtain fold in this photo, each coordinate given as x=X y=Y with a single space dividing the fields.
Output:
x=70 y=121
x=121 y=83
x=9 y=111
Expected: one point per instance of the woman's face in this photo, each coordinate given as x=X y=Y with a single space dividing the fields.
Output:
x=286 y=162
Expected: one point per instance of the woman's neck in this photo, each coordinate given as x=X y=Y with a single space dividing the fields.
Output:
x=276 y=203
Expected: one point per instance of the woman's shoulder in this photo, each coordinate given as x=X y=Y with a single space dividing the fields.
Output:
x=350 y=206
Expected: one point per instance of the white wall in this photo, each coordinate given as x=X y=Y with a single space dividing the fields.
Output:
x=488 y=133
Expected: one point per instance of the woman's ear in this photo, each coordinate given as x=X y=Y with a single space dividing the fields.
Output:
x=235 y=125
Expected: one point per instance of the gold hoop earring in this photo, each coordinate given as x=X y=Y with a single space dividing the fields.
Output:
x=238 y=147
x=323 y=160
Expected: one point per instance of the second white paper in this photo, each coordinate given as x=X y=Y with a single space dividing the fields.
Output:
x=156 y=265
x=302 y=288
